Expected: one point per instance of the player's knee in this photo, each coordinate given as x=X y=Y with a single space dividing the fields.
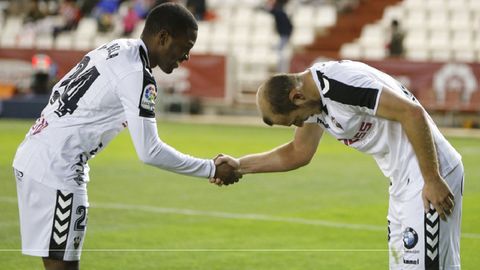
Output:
x=51 y=264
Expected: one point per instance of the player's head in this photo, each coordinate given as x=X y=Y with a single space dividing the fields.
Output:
x=170 y=32
x=281 y=101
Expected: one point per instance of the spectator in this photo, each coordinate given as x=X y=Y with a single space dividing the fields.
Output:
x=87 y=6
x=284 y=28
x=142 y=7
x=198 y=8
x=103 y=12
x=395 y=47
x=71 y=16
x=34 y=13
x=130 y=20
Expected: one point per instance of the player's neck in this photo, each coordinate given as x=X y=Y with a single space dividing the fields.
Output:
x=147 y=43
x=309 y=88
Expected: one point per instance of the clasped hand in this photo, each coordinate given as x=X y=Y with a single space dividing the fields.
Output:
x=227 y=170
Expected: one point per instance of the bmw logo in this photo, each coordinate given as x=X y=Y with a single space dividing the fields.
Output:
x=410 y=238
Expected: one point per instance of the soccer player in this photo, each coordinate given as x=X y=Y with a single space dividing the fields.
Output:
x=110 y=89
x=370 y=111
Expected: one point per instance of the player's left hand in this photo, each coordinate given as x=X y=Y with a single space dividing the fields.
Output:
x=438 y=193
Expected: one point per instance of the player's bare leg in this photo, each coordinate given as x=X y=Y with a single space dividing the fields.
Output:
x=51 y=264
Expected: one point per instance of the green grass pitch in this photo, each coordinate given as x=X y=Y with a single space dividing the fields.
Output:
x=330 y=214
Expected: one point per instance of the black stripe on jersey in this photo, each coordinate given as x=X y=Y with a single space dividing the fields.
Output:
x=144 y=58
x=148 y=95
x=348 y=94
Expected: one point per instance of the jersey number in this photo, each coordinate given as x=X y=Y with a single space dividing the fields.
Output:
x=79 y=223
x=75 y=87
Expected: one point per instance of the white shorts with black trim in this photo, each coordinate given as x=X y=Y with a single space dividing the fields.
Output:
x=424 y=241
x=52 y=222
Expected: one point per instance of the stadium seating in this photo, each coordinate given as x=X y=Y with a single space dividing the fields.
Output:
x=240 y=25
x=436 y=30
x=241 y=30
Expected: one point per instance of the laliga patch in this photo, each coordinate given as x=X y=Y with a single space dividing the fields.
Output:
x=147 y=101
x=410 y=238
x=148 y=97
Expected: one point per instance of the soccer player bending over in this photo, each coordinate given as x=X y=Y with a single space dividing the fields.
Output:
x=111 y=88
x=370 y=111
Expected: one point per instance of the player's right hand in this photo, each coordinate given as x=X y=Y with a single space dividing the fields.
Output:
x=226 y=170
x=438 y=194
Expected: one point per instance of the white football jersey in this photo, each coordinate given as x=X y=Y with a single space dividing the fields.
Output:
x=111 y=88
x=350 y=92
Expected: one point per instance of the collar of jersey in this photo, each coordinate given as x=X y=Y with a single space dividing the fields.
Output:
x=146 y=53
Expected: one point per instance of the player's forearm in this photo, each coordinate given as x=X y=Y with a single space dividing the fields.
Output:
x=280 y=159
x=151 y=150
x=168 y=158
x=419 y=134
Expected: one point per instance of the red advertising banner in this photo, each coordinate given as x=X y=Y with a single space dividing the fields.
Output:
x=201 y=76
x=439 y=86
x=64 y=60
x=208 y=75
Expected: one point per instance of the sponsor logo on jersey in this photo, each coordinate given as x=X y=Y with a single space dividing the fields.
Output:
x=320 y=121
x=417 y=261
x=326 y=87
x=76 y=242
x=410 y=238
x=148 y=97
x=18 y=174
x=362 y=132
x=336 y=123
x=40 y=124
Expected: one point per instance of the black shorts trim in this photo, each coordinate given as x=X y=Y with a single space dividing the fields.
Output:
x=61 y=225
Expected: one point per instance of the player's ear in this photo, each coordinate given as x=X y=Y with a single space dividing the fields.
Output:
x=163 y=37
x=297 y=97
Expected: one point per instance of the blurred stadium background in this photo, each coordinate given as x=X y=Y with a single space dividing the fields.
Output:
x=237 y=48
x=289 y=221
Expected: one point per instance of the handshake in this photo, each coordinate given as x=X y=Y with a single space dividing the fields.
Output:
x=227 y=170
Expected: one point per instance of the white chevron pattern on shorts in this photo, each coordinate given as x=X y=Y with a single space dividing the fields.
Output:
x=61 y=225
x=432 y=230
x=59 y=240
x=433 y=254
x=432 y=217
x=61 y=228
x=64 y=204
x=62 y=216
x=433 y=242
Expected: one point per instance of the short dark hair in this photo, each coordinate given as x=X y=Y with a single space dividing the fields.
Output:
x=172 y=17
x=277 y=90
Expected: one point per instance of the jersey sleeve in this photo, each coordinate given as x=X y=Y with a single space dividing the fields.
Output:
x=353 y=87
x=143 y=131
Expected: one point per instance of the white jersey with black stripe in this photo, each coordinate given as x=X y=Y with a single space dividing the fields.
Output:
x=110 y=89
x=350 y=92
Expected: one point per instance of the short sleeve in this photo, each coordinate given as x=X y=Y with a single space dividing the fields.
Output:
x=351 y=86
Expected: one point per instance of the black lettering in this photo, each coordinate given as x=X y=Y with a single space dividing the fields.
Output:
x=113 y=50
x=76 y=86
x=79 y=223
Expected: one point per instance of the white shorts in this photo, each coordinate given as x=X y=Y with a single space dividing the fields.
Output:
x=52 y=222
x=424 y=241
